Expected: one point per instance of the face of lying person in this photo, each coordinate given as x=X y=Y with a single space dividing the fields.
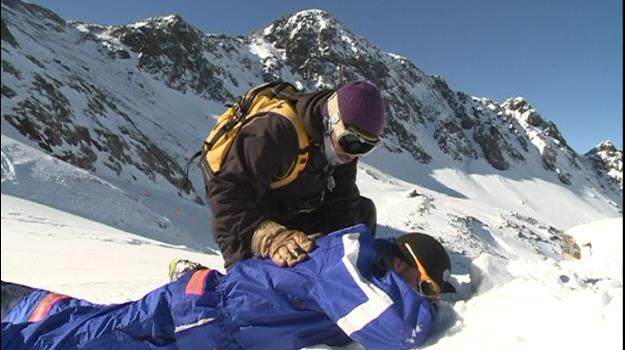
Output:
x=410 y=273
x=407 y=272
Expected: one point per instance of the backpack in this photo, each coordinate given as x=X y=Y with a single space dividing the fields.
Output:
x=275 y=97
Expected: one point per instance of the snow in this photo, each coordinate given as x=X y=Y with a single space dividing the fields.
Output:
x=511 y=296
x=49 y=248
x=33 y=175
x=600 y=246
x=545 y=304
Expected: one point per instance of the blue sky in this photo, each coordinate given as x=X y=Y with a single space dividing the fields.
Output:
x=564 y=56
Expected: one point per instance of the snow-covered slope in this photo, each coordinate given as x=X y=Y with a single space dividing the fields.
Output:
x=527 y=302
x=36 y=176
x=49 y=248
x=509 y=222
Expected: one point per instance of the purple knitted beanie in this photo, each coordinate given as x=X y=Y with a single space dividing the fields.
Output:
x=362 y=106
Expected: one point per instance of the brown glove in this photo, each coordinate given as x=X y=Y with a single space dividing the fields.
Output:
x=284 y=246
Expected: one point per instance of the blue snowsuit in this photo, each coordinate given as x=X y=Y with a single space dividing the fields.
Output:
x=332 y=298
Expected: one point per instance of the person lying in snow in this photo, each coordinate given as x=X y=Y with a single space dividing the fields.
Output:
x=380 y=293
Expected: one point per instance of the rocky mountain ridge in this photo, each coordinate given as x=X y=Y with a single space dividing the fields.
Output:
x=102 y=97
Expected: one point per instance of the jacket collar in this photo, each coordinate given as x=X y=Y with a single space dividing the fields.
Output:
x=309 y=107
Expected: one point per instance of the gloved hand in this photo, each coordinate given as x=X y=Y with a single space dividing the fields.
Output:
x=284 y=246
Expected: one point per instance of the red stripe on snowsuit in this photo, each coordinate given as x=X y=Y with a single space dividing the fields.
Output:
x=44 y=306
x=196 y=283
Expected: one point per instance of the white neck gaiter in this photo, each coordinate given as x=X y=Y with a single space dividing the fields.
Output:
x=330 y=152
x=328 y=147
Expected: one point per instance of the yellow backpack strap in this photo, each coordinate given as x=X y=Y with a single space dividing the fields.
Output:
x=284 y=109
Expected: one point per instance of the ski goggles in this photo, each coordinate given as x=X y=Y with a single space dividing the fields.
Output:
x=351 y=140
x=427 y=286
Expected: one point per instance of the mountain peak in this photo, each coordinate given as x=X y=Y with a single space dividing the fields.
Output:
x=608 y=160
x=310 y=17
x=519 y=104
x=524 y=112
x=319 y=45
x=606 y=146
x=171 y=21
x=306 y=21
x=320 y=14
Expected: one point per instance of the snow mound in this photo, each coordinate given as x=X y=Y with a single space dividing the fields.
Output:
x=604 y=238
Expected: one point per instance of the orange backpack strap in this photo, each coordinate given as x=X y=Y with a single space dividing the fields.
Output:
x=216 y=154
x=287 y=111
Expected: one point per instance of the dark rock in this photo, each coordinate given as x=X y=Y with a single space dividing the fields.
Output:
x=9 y=68
x=8 y=92
x=534 y=119
x=6 y=35
x=488 y=137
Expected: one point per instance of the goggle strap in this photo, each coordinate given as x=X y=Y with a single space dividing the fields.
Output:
x=337 y=118
x=364 y=137
x=333 y=109
x=422 y=272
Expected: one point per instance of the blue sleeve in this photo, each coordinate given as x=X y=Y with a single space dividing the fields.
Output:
x=377 y=312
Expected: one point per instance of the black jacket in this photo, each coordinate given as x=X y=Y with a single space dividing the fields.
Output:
x=240 y=196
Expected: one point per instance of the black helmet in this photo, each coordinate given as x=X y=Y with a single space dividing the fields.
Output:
x=431 y=254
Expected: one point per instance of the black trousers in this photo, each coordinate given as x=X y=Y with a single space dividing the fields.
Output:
x=12 y=293
x=333 y=216
x=367 y=213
